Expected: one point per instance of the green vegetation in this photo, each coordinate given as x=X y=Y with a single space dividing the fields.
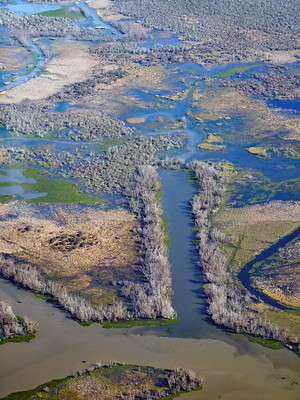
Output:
x=166 y=232
x=105 y=144
x=19 y=339
x=58 y=191
x=271 y=344
x=6 y=198
x=31 y=67
x=239 y=69
x=6 y=184
x=140 y=322
x=28 y=393
x=41 y=296
x=63 y=12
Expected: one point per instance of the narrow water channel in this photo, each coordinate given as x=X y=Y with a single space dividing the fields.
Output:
x=188 y=299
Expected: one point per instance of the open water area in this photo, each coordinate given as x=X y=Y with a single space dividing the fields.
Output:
x=234 y=368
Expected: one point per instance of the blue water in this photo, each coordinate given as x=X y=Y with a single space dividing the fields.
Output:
x=27 y=8
x=287 y=105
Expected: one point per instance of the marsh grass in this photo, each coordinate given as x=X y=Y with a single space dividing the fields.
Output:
x=58 y=191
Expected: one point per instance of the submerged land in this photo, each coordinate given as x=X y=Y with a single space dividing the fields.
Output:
x=101 y=102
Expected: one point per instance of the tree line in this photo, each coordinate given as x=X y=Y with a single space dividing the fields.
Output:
x=227 y=304
x=153 y=298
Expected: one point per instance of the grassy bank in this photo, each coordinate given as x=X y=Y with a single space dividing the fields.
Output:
x=19 y=339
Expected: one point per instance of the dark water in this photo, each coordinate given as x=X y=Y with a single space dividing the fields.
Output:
x=189 y=299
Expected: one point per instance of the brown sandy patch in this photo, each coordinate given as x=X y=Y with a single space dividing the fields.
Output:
x=83 y=247
x=135 y=120
x=282 y=57
x=72 y=63
x=106 y=9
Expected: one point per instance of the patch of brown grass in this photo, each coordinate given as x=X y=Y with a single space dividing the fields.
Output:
x=14 y=58
x=71 y=63
x=279 y=277
x=251 y=229
x=83 y=247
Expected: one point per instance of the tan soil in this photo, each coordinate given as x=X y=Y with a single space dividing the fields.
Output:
x=106 y=9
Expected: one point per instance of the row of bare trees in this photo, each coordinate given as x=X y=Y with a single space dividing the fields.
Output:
x=228 y=305
x=10 y=325
x=29 y=277
x=153 y=298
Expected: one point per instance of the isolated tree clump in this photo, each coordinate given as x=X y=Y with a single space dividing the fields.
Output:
x=12 y=326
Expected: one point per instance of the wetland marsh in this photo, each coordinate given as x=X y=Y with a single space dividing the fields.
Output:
x=80 y=123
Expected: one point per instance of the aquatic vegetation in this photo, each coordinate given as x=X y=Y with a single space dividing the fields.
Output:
x=57 y=191
x=66 y=12
x=211 y=147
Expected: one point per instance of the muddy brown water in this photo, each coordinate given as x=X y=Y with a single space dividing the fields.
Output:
x=234 y=368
